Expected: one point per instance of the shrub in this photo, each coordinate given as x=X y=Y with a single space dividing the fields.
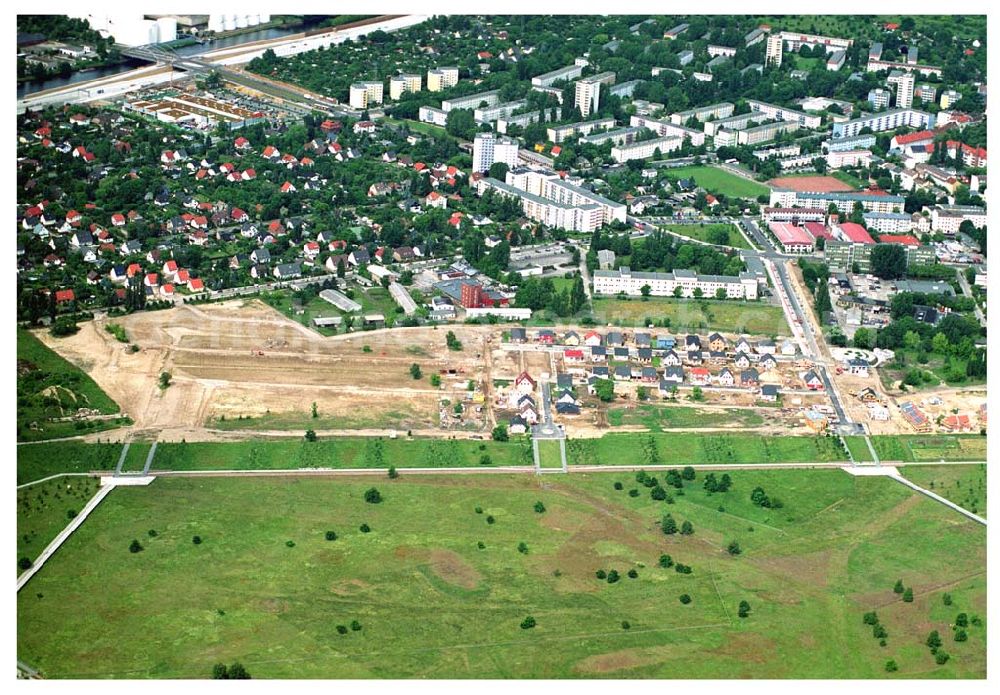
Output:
x=290 y=544
x=479 y=510
x=734 y=548
x=961 y=635
x=632 y=574
x=618 y=485
x=908 y=595
x=685 y=599
x=355 y=625
x=24 y=564
x=196 y=540
x=135 y=546
x=613 y=576
x=528 y=623
x=522 y=548
x=879 y=632
x=633 y=493
x=490 y=519
x=946 y=599
x=687 y=528
x=962 y=620
x=373 y=496
x=331 y=535
x=365 y=528
x=71 y=514
x=666 y=561
x=601 y=574
x=152 y=533
x=342 y=629
x=941 y=658
x=626 y=625
x=310 y=435
x=870 y=618
x=393 y=473
x=481 y=545
x=744 y=609
x=890 y=666
x=898 y=588
x=539 y=507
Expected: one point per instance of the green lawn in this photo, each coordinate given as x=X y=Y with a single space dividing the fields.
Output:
x=402 y=419
x=715 y=180
x=660 y=417
x=548 y=454
x=728 y=316
x=43 y=511
x=849 y=179
x=963 y=485
x=702 y=232
x=49 y=386
x=429 y=129
x=680 y=448
x=36 y=461
x=921 y=447
x=135 y=458
x=265 y=588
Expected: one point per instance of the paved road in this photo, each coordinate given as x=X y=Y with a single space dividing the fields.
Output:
x=939 y=498
x=967 y=291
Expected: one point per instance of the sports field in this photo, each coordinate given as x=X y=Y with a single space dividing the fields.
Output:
x=725 y=234
x=693 y=314
x=436 y=590
x=812 y=183
x=716 y=180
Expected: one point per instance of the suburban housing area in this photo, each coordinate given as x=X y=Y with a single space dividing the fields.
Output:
x=341 y=322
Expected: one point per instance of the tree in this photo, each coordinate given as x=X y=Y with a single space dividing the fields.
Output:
x=962 y=620
x=908 y=595
x=415 y=371
x=454 y=344
x=605 y=389
x=435 y=380
x=890 y=666
x=498 y=170
x=24 y=563
x=522 y=548
x=393 y=473
x=373 y=496
x=613 y=576
x=941 y=658
x=688 y=473
x=744 y=609
x=315 y=411
x=933 y=640
x=734 y=548
x=528 y=623
x=499 y=433
x=685 y=599
x=238 y=672
x=961 y=635
x=356 y=626
x=310 y=435
x=196 y=540
x=888 y=261
x=539 y=507
x=898 y=587
x=365 y=528
x=164 y=380
x=331 y=535
x=666 y=561
x=687 y=528
x=870 y=618
x=645 y=291
x=668 y=525
x=864 y=338
x=135 y=546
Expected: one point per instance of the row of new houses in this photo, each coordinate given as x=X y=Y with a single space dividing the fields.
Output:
x=716 y=343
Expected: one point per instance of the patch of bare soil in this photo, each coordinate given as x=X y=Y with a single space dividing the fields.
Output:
x=621 y=660
x=452 y=568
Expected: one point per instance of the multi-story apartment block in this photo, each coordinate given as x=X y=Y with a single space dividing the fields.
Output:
x=562 y=74
x=856 y=142
x=665 y=128
x=703 y=113
x=471 y=101
x=440 y=79
x=764 y=132
x=843 y=201
x=624 y=280
x=401 y=84
x=588 y=92
x=429 y=114
x=927 y=93
x=646 y=148
x=904 y=91
x=525 y=119
x=737 y=122
x=949 y=97
x=618 y=136
x=364 y=94
x=774 y=50
x=487 y=149
x=558 y=134
x=889 y=222
x=848 y=158
x=879 y=98
x=492 y=113
x=884 y=120
x=715 y=51
x=780 y=113
x=948 y=218
x=925 y=70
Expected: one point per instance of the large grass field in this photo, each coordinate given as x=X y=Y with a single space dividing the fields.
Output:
x=963 y=485
x=37 y=461
x=715 y=180
x=702 y=232
x=660 y=417
x=48 y=387
x=921 y=447
x=693 y=314
x=265 y=588
x=43 y=510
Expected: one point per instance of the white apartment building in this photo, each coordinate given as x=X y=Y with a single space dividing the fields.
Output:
x=948 y=218
x=558 y=134
x=525 y=119
x=401 y=84
x=737 y=122
x=646 y=148
x=716 y=51
x=888 y=222
x=618 y=136
x=836 y=60
x=568 y=73
x=926 y=93
x=575 y=210
x=441 y=79
x=949 y=97
x=588 y=92
x=703 y=113
x=879 y=98
x=848 y=158
x=665 y=128
x=780 y=151
x=624 y=280
x=364 y=94
x=488 y=149
x=885 y=120
x=844 y=202
x=471 y=101
x=856 y=142
x=492 y=113
x=904 y=90
x=429 y=114
x=775 y=47
x=763 y=133
x=780 y=113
